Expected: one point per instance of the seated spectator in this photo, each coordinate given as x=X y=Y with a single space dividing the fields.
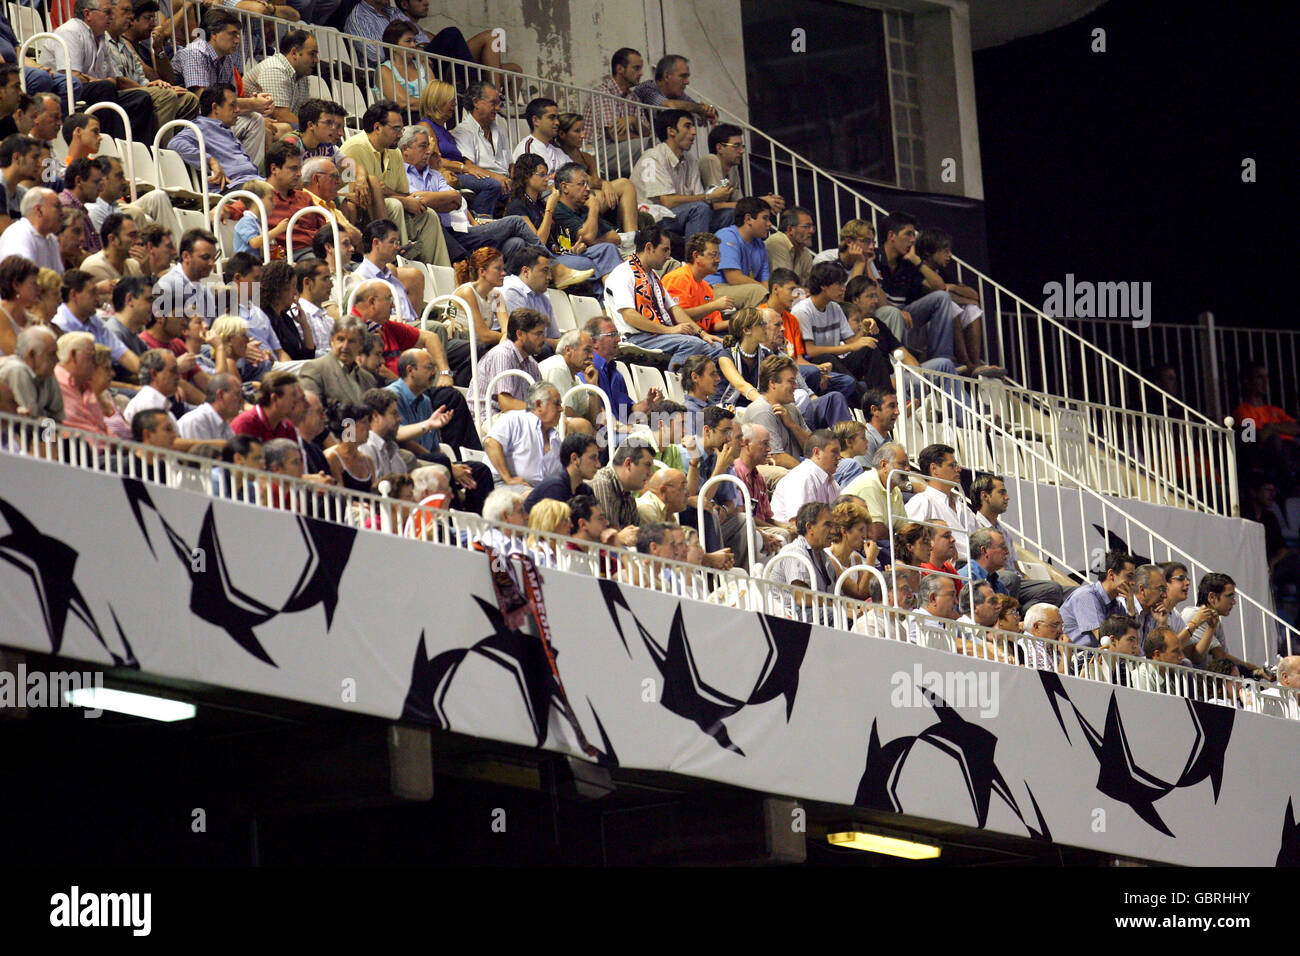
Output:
x=75 y=375
x=320 y=131
x=605 y=337
x=942 y=498
x=788 y=339
x=912 y=286
x=352 y=468
x=827 y=334
x=1163 y=652
x=30 y=373
x=988 y=495
x=721 y=445
x=78 y=314
x=370 y=18
x=572 y=365
x=814 y=528
x=504 y=506
x=279 y=399
x=82 y=182
x=1041 y=646
x=180 y=290
x=1149 y=596
x=542 y=117
x=942 y=550
x=725 y=162
x=850 y=546
x=155 y=428
x=743 y=269
x=580 y=460
x=229 y=165
x=147 y=209
x=665 y=497
x=279 y=304
x=33 y=236
x=613 y=486
x=912 y=544
x=111 y=404
x=159 y=380
x=321 y=182
x=129 y=72
x=1216 y=592
x=381 y=443
x=590 y=526
x=856 y=249
x=525 y=336
x=787 y=247
x=747 y=348
x=283 y=76
x=72 y=236
x=617 y=196
x=523 y=446
x=19 y=292
x=1272 y=447
x=548 y=516
x=314 y=281
x=934 y=246
x=988 y=555
x=380 y=249
x=700 y=380
x=159 y=247
x=1118 y=635
x=578 y=219
x=211 y=420
x=668 y=88
x=619 y=124
x=243 y=273
x=438 y=109
x=668 y=181
x=887 y=472
x=1087 y=607
x=525 y=287
x=335 y=376
x=19 y=163
x=646 y=314
x=481 y=277
x=810 y=480
x=527 y=183
x=880 y=408
x=852 y=435
x=233 y=350
x=687 y=284
x=903 y=586
x=979 y=607
x=774 y=410
x=481 y=134
x=281 y=198
x=118 y=236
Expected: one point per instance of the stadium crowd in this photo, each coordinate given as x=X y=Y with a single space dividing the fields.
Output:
x=110 y=327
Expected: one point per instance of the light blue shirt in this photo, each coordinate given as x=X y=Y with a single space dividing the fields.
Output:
x=221 y=144
x=175 y=291
x=368 y=270
x=516 y=295
x=259 y=326
x=735 y=253
x=68 y=322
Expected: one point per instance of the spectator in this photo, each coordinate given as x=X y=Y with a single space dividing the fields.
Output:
x=208 y=61
x=934 y=246
x=525 y=287
x=605 y=338
x=321 y=182
x=118 y=237
x=814 y=528
x=788 y=247
x=880 y=408
x=75 y=375
x=613 y=194
x=988 y=494
x=46 y=116
x=687 y=284
x=1118 y=635
x=320 y=132
x=481 y=277
x=525 y=336
x=1041 y=644
x=523 y=446
x=889 y=462
x=283 y=198
x=233 y=351
x=853 y=444
x=665 y=497
x=314 y=280
x=646 y=314
x=1217 y=593
x=159 y=246
x=243 y=274
x=942 y=498
x=152 y=59
x=619 y=124
x=1261 y=506
x=668 y=88
x=381 y=443
x=903 y=587
x=942 y=551
x=827 y=334
x=1269 y=432
x=82 y=181
x=1149 y=595
x=438 y=106
x=374 y=151
x=668 y=181
x=572 y=365
x=309 y=420
x=1163 y=652
x=283 y=76
x=81 y=133
x=159 y=380
x=169 y=102
x=774 y=410
x=724 y=162
x=579 y=223
x=580 y=460
x=480 y=134
x=229 y=165
x=19 y=292
x=32 y=236
x=147 y=209
x=912 y=544
x=721 y=445
x=211 y=420
x=850 y=546
x=77 y=314
x=19 y=163
x=811 y=480
x=370 y=18
x=700 y=380
x=87 y=54
x=279 y=401
x=336 y=377
x=628 y=470
x=462 y=232
x=988 y=555
x=548 y=517
x=155 y=428
x=1086 y=608
x=788 y=339
x=528 y=181
x=542 y=116
x=351 y=467
x=29 y=373
x=72 y=237
x=591 y=526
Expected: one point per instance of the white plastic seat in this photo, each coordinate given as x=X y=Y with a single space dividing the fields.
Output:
x=350 y=98
x=146 y=170
x=673 y=387
x=647 y=378
x=563 y=311
x=319 y=88
x=108 y=147
x=584 y=309
x=444 y=279
x=626 y=372
x=173 y=174
x=472 y=454
x=191 y=219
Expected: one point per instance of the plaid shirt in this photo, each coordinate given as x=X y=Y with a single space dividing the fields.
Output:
x=366 y=21
x=276 y=75
x=603 y=111
x=199 y=65
x=649 y=92
x=123 y=59
x=90 y=238
x=615 y=501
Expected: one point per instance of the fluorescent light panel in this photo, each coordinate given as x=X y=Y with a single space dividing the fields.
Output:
x=125 y=702
x=877 y=843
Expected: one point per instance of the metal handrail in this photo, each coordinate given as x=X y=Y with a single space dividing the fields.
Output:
x=203 y=160
x=750 y=535
x=339 y=274
x=841 y=617
x=126 y=125
x=453 y=299
x=67 y=65
x=604 y=400
x=487 y=397
x=240 y=194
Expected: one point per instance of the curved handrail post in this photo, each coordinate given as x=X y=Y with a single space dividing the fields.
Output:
x=840 y=614
x=126 y=125
x=777 y=559
x=67 y=66
x=338 y=252
x=203 y=160
x=749 y=509
x=452 y=299
x=604 y=400
x=240 y=194
x=487 y=397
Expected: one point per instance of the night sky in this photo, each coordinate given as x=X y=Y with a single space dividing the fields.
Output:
x=1127 y=165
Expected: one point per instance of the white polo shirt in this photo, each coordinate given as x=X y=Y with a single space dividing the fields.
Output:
x=806 y=482
x=520 y=435
x=932 y=505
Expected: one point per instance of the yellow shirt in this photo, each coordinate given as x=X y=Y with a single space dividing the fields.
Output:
x=385 y=165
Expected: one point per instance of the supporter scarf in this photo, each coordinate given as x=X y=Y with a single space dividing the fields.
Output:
x=650 y=299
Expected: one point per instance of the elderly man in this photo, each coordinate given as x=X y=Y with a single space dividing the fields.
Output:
x=374 y=150
x=208 y=60
x=668 y=88
x=881 y=489
x=336 y=376
x=481 y=134
x=211 y=420
x=572 y=365
x=814 y=528
x=229 y=165
x=1087 y=607
x=755 y=449
x=77 y=314
x=32 y=236
x=613 y=486
x=978 y=605
x=664 y=498
x=812 y=479
x=159 y=380
x=525 y=336
x=988 y=553
x=578 y=217
x=85 y=40
x=283 y=76
x=788 y=247
x=903 y=585
x=523 y=446
x=942 y=498
x=1150 y=596
x=932 y=625
x=321 y=183
x=30 y=374
x=1042 y=624
x=75 y=374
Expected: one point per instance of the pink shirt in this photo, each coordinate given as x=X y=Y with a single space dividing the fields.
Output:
x=81 y=408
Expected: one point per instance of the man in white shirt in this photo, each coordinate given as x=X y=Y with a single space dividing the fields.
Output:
x=667 y=179
x=543 y=118
x=480 y=135
x=523 y=446
x=159 y=379
x=942 y=498
x=32 y=236
x=381 y=447
x=812 y=479
x=211 y=420
x=315 y=284
x=932 y=625
x=571 y=365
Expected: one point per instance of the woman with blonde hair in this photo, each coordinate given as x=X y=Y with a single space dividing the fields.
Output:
x=230 y=343
x=746 y=351
x=849 y=546
x=550 y=516
x=72 y=237
x=481 y=276
x=99 y=384
x=438 y=109
x=50 y=284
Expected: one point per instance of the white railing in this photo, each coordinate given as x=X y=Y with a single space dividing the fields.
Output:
x=1255 y=627
x=26 y=42
x=1147 y=457
x=203 y=162
x=129 y=159
x=261 y=212
x=1018 y=335
x=44 y=439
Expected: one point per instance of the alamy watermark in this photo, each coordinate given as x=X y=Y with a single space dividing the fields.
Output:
x=1098 y=300
x=956 y=689
x=21 y=688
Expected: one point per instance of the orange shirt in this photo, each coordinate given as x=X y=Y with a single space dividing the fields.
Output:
x=1263 y=415
x=690 y=292
x=793 y=337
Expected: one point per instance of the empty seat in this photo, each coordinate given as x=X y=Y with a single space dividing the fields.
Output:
x=108 y=147
x=648 y=377
x=673 y=387
x=318 y=88
x=146 y=171
x=173 y=174
x=584 y=308
x=444 y=279
x=563 y=311
x=350 y=98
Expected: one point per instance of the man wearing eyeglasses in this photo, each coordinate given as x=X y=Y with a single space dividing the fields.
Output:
x=1150 y=596
x=726 y=154
x=604 y=347
x=480 y=135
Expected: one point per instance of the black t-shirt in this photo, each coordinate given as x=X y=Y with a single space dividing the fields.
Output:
x=557 y=487
x=901 y=284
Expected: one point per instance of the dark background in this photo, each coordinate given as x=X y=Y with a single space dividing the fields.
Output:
x=1126 y=165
